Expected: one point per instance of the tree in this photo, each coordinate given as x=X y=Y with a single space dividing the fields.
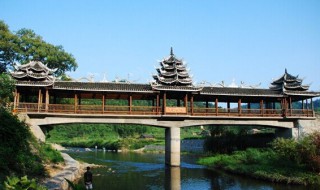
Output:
x=25 y=45
x=6 y=89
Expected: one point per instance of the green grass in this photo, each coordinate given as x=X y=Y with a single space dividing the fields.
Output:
x=262 y=164
x=111 y=136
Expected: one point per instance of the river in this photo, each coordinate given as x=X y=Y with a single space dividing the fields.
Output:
x=130 y=170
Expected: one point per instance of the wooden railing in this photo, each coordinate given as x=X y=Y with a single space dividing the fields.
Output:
x=153 y=110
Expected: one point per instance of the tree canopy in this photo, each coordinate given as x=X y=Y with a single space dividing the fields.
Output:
x=25 y=45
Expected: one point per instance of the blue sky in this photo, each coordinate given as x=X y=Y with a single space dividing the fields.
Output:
x=249 y=40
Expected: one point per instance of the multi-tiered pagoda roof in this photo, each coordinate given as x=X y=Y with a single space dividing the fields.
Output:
x=172 y=72
x=33 y=71
x=288 y=82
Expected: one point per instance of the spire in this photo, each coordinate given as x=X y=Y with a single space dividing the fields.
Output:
x=171 y=52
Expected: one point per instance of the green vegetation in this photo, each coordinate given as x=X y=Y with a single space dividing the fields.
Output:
x=25 y=45
x=288 y=161
x=22 y=183
x=111 y=136
x=20 y=153
x=226 y=139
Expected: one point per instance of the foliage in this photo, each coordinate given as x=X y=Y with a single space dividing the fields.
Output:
x=74 y=186
x=6 y=89
x=226 y=139
x=20 y=152
x=263 y=164
x=25 y=45
x=15 y=152
x=22 y=183
x=305 y=151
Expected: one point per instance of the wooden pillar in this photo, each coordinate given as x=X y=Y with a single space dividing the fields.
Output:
x=307 y=106
x=157 y=104
x=290 y=104
x=191 y=104
x=178 y=102
x=312 y=108
x=75 y=102
x=207 y=106
x=216 y=106
x=239 y=107
x=249 y=107
x=302 y=105
x=130 y=103
x=15 y=99
x=47 y=100
x=228 y=106
x=164 y=102
x=186 y=103
x=103 y=102
x=39 y=99
x=18 y=99
x=261 y=107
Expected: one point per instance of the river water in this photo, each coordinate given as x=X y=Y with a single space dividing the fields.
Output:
x=135 y=171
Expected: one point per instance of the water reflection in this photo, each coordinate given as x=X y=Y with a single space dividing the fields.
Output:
x=173 y=178
x=148 y=171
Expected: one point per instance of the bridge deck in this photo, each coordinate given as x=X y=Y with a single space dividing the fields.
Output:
x=154 y=110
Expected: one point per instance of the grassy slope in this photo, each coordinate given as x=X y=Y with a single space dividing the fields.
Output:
x=110 y=135
x=262 y=164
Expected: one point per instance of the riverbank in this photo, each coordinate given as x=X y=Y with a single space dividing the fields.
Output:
x=262 y=164
x=71 y=170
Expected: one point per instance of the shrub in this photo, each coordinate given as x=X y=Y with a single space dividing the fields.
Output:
x=22 y=183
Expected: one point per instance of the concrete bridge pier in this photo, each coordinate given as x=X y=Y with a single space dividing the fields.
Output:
x=172 y=148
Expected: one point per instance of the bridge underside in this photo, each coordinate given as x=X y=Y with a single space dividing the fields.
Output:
x=161 y=121
x=287 y=127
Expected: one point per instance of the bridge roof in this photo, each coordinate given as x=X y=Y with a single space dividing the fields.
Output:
x=147 y=88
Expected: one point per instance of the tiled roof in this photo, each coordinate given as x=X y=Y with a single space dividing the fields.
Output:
x=103 y=86
x=239 y=91
x=147 y=88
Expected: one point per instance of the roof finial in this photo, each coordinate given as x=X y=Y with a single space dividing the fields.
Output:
x=171 y=51
x=285 y=71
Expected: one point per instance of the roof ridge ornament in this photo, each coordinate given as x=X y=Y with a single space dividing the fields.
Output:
x=171 y=51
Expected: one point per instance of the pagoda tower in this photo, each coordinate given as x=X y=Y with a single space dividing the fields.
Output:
x=288 y=82
x=33 y=71
x=172 y=72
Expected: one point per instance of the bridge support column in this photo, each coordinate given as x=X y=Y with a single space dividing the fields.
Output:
x=172 y=152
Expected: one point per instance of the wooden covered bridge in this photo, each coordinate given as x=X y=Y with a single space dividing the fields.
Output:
x=172 y=95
